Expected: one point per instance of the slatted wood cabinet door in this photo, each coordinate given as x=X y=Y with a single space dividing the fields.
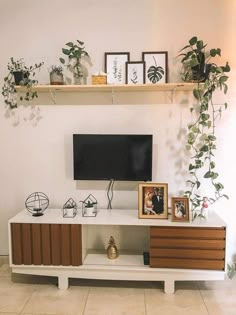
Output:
x=187 y=247
x=46 y=244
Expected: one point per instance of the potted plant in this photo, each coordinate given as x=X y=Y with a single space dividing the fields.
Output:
x=75 y=52
x=19 y=74
x=196 y=60
x=56 y=75
x=201 y=136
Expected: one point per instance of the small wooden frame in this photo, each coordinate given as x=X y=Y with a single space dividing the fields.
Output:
x=180 y=209
x=153 y=200
x=135 y=72
x=115 y=66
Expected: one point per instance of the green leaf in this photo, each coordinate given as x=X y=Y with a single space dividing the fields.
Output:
x=214 y=175
x=212 y=164
x=204 y=148
x=62 y=60
x=193 y=40
x=198 y=184
x=226 y=196
x=195 y=130
x=209 y=124
x=225 y=105
x=188 y=147
x=212 y=138
x=70 y=44
x=65 y=51
x=207 y=175
x=191 y=167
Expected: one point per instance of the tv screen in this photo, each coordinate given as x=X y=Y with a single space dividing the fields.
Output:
x=112 y=157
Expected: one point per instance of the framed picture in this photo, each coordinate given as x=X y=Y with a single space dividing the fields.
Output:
x=115 y=67
x=156 y=66
x=180 y=209
x=153 y=200
x=135 y=72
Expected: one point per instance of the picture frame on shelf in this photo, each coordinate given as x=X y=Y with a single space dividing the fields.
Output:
x=156 y=66
x=135 y=72
x=180 y=209
x=115 y=67
x=153 y=201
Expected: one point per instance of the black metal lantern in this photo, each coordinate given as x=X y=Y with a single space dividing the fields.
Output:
x=37 y=203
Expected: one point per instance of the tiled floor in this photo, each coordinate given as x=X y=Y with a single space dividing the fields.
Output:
x=21 y=294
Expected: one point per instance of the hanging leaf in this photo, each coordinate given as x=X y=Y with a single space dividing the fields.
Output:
x=155 y=74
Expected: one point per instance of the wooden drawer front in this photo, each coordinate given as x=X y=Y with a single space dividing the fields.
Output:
x=180 y=232
x=190 y=248
x=46 y=244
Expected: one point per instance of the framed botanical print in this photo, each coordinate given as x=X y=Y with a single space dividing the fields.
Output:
x=135 y=72
x=156 y=66
x=115 y=67
x=153 y=200
x=180 y=209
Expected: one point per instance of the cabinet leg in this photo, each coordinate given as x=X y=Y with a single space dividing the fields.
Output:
x=169 y=286
x=63 y=282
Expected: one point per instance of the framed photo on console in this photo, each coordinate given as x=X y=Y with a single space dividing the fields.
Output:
x=115 y=66
x=153 y=200
x=180 y=209
x=156 y=66
x=135 y=72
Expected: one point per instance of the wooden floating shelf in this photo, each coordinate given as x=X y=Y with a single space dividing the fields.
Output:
x=172 y=87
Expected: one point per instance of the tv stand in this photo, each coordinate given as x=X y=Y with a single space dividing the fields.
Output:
x=71 y=247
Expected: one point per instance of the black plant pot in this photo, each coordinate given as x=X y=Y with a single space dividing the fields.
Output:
x=19 y=77
x=200 y=73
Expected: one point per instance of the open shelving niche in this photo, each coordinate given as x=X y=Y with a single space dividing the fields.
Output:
x=111 y=89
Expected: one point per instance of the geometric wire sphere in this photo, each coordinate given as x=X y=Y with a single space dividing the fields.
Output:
x=37 y=203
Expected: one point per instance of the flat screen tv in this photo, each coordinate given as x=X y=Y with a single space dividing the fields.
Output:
x=112 y=157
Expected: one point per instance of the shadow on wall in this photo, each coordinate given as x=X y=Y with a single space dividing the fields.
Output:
x=24 y=114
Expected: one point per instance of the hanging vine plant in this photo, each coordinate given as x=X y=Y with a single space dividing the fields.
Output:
x=201 y=137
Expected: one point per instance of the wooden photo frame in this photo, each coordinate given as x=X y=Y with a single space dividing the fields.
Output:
x=115 y=67
x=180 y=209
x=135 y=72
x=156 y=66
x=153 y=200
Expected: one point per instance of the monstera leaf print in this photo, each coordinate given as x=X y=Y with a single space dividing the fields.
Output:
x=155 y=73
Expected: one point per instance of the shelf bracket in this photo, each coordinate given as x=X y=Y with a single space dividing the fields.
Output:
x=53 y=96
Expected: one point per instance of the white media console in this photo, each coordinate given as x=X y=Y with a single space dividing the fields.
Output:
x=66 y=248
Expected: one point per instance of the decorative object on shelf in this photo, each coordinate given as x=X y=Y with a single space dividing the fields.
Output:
x=99 y=78
x=156 y=66
x=180 y=209
x=195 y=61
x=153 y=200
x=19 y=74
x=146 y=258
x=135 y=72
x=115 y=66
x=231 y=270
x=201 y=136
x=69 y=209
x=37 y=203
x=75 y=54
x=112 y=251
x=204 y=209
x=89 y=206
x=56 y=75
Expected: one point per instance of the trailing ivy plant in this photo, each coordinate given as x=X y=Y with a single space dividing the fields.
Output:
x=26 y=78
x=201 y=138
x=231 y=270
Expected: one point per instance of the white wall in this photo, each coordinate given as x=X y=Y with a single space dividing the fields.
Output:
x=36 y=153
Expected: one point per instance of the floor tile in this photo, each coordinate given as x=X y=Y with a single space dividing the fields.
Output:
x=115 y=301
x=48 y=299
x=220 y=301
x=183 y=302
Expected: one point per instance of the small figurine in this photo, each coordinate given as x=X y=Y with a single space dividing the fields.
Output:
x=112 y=251
x=204 y=210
